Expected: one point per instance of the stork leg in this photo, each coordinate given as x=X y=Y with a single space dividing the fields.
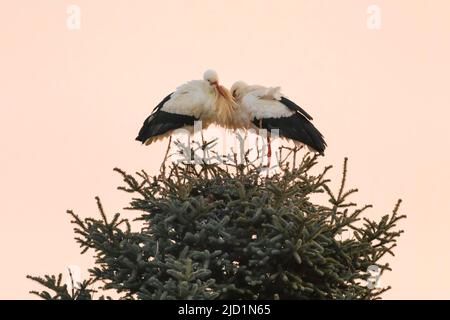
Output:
x=269 y=150
x=163 y=166
x=269 y=147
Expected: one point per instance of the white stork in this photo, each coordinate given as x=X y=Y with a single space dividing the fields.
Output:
x=267 y=108
x=203 y=100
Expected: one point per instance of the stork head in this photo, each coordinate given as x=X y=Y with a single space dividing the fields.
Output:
x=211 y=76
x=237 y=89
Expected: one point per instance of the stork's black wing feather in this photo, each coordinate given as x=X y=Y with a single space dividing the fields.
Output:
x=295 y=127
x=161 y=122
x=294 y=107
x=161 y=104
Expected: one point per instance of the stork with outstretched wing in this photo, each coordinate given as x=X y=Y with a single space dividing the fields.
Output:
x=247 y=106
x=204 y=100
x=267 y=108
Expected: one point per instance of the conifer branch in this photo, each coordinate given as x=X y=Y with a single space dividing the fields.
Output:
x=226 y=231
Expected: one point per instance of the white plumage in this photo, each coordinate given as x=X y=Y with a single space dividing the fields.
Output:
x=195 y=100
x=259 y=102
x=267 y=108
x=262 y=104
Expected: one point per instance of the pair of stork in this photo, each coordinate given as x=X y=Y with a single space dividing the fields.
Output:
x=242 y=107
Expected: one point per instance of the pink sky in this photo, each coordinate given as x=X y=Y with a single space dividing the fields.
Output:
x=71 y=103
